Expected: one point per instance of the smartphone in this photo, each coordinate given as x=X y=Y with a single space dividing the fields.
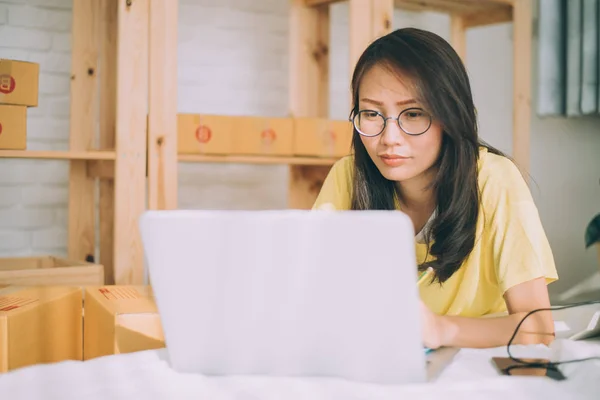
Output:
x=507 y=366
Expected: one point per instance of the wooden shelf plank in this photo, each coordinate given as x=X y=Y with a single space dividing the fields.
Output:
x=453 y=6
x=191 y=158
x=59 y=155
x=317 y=3
x=445 y=6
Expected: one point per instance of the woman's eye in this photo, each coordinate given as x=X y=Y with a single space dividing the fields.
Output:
x=414 y=114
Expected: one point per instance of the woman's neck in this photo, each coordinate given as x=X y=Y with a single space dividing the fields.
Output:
x=417 y=194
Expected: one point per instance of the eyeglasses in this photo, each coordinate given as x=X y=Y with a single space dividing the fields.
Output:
x=413 y=121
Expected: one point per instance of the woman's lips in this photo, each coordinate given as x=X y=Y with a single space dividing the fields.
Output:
x=393 y=160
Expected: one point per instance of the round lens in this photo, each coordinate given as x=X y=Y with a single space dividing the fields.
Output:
x=369 y=123
x=415 y=121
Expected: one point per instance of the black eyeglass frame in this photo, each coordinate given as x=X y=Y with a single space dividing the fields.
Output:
x=353 y=117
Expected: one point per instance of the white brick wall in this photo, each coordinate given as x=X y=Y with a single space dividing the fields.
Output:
x=233 y=59
x=33 y=193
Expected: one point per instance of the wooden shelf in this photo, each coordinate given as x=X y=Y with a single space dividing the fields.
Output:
x=475 y=12
x=59 y=155
x=446 y=6
x=460 y=7
x=191 y=158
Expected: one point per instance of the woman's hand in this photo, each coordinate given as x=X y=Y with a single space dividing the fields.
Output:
x=432 y=328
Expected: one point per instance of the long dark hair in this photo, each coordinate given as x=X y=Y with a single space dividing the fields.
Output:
x=443 y=88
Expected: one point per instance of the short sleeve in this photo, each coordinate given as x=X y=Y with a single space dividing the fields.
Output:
x=521 y=250
x=335 y=194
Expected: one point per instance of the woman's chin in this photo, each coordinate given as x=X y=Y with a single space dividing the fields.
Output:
x=396 y=174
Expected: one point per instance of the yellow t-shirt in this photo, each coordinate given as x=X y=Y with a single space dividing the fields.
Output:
x=510 y=245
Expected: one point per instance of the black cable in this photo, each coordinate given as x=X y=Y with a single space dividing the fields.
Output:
x=551 y=364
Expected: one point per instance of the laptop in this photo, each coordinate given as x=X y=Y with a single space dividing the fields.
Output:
x=287 y=293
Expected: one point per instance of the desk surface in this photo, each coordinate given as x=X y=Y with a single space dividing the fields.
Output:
x=147 y=375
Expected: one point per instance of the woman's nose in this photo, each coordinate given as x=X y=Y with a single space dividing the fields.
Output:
x=392 y=135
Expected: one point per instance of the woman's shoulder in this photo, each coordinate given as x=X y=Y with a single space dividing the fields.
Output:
x=342 y=171
x=500 y=180
x=336 y=190
x=344 y=164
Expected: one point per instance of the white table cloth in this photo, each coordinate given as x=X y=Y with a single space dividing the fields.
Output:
x=147 y=375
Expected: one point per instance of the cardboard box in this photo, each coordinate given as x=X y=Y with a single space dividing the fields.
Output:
x=120 y=319
x=39 y=325
x=19 y=82
x=263 y=136
x=49 y=271
x=322 y=137
x=204 y=134
x=13 y=127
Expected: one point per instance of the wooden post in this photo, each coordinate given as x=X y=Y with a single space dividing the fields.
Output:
x=309 y=91
x=108 y=60
x=84 y=70
x=369 y=19
x=309 y=60
x=458 y=35
x=162 y=117
x=131 y=140
x=522 y=32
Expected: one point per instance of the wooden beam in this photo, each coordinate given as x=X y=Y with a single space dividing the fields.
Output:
x=162 y=116
x=369 y=20
x=84 y=91
x=306 y=182
x=458 y=35
x=59 y=155
x=309 y=60
x=448 y=5
x=483 y=18
x=487 y=8
x=507 y=2
x=243 y=159
x=103 y=170
x=317 y=3
x=131 y=139
x=309 y=88
x=522 y=33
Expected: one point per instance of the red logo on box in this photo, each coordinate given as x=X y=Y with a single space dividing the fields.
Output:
x=7 y=84
x=329 y=137
x=0 y=129
x=203 y=134
x=268 y=135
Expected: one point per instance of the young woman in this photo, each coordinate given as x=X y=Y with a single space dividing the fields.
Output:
x=480 y=242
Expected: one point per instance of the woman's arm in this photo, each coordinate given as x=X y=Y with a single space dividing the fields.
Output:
x=453 y=331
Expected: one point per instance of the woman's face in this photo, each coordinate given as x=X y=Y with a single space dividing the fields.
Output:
x=398 y=156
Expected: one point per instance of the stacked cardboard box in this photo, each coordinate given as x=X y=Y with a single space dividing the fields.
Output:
x=18 y=90
x=39 y=325
x=47 y=324
x=120 y=319
x=262 y=136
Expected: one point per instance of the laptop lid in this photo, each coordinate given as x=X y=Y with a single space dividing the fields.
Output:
x=290 y=293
